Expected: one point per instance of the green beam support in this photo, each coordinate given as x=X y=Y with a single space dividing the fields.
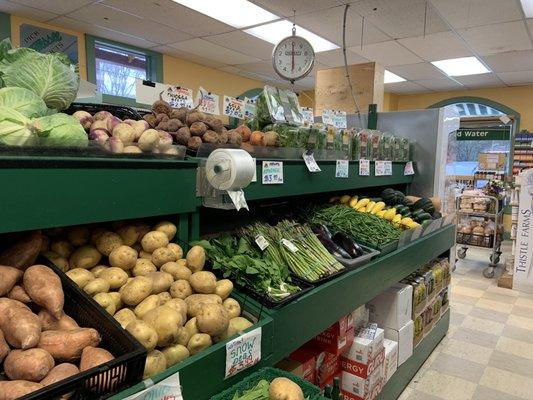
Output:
x=372 y=116
x=5 y=26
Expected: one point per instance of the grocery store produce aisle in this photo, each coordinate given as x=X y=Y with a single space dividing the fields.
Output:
x=488 y=351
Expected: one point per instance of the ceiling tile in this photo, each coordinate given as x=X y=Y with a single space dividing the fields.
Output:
x=416 y=72
x=439 y=84
x=244 y=43
x=497 y=38
x=480 y=80
x=171 y=51
x=511 y=61
x=102 y=32
x=212 y=51
x=335 y=58
x=286 y=7
x=470 y=13
x=437 y=46
x=328 y=24
x=172 y=14
x=405 y=87
x=55 y=6
x=387 y=53
x=29 y=12
x=113 y=18
x=401 y=18
x=517 y=78
x=306 y=83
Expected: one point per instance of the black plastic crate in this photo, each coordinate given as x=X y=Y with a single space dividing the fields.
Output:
x=122 y=112
x=100 y=382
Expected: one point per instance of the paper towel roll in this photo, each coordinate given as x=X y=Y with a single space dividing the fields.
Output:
x=229 y=169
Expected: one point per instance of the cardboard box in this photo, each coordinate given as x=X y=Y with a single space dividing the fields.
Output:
x=356 y=388
x=492 y=161
x=366 y=345
x=306 y=367
x=359 y=369
x=327 y=366
x=392 y=308
x=404 y=337
x=337 y=338
x=360 y=317
x=390 y=362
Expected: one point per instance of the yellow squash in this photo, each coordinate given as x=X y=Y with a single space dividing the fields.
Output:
x=389 y=214
x=370 y=206
x=378 y=207
x=362 y=203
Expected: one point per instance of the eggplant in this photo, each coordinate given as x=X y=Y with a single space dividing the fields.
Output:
x=322 y=230
x=333 y=247
x=348 y=244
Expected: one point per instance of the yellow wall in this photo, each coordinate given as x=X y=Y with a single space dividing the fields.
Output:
x=519 y=98
x=177 y=71
x=307 y=98
x=390 y=102
x=15 y=38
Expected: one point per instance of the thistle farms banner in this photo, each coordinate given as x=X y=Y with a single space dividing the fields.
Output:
x=48 y=41
x=484 y=134
x=523 y=261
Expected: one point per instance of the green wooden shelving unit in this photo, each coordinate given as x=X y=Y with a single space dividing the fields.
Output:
x=42 y=192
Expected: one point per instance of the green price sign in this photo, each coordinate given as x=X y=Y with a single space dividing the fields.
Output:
x=484 y=134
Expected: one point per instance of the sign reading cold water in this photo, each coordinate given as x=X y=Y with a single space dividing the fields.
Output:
x=484 y=133
x=48 y=41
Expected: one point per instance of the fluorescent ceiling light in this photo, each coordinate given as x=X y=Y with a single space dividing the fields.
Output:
x=527 y=6
x=276 y=31
x=237 y=13
x=392 y=78
x=461 y=66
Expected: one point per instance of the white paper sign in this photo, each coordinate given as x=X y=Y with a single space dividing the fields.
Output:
x=327 y=117
x=310 y=162
x=272 y=172
x=339 y=120
x=261 y=242
x=243 y=352
x=341 y=169
x=208 y=102
x=254 y=178
x=178 y=96
x=249 y=108
x=523 y=261
x=408 y=169
x=167 y=389
x=364 y=167
x=148 y=92
x=383 y=168
x=233 y=107
x=307 y=115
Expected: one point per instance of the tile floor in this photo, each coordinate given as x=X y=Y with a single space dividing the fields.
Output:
x=488 y=352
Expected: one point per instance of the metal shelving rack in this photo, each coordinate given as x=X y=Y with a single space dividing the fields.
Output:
x=43 y=192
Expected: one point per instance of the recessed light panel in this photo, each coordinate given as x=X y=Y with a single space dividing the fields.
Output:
x=461 y=66
x=392 y=78
x=237 y=13
x=276 y=31
x=527 y=6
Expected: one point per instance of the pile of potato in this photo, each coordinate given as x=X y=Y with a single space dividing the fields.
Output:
x=40 y=344
x=165 y=300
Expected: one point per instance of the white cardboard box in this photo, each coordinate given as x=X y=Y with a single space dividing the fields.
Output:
x=390 y=364
x=356 y=388
x=393 y=307
x=366 y=345
x=404 y=337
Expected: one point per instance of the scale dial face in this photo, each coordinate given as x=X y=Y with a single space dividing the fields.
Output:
x=293 y=58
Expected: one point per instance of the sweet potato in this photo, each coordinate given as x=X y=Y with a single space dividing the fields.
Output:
x=60 y=372
x=18 y=293
x=6 y=304
x=93 y=356
x=29 y=365
x=4 y=348
x=49 y=322
x=44 y=287
x=21 y=327
x=23 y=253
x=11 y=390
x=68 y=345
x=8 y=277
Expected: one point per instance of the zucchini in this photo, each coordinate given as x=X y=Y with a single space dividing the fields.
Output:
x=424 y=216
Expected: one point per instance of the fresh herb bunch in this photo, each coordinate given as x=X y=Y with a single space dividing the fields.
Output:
x=241 y=260
x=365 y=227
